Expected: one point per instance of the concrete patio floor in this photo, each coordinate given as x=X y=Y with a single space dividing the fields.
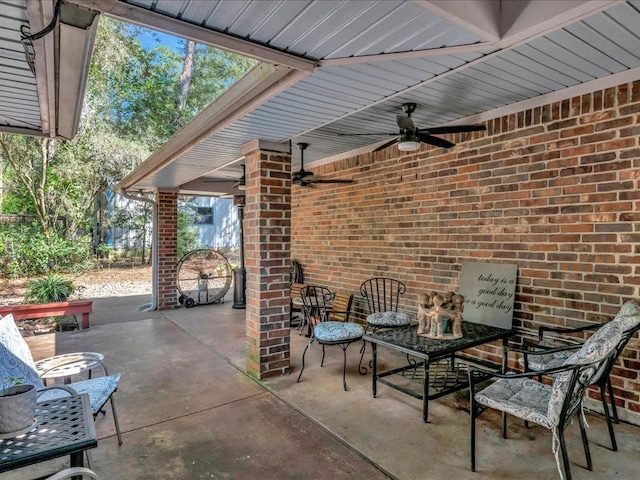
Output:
x=188 y=411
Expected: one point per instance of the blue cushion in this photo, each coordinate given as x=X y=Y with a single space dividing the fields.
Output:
x=16 y=361
x=99 y=390
x=337 y=331
x=388 y=319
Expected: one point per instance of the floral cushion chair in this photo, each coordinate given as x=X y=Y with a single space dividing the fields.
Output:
x=16 y=362
x=551 y=406
x=554 y=356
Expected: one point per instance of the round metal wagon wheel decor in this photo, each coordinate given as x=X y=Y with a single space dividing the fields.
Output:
x=204 y=276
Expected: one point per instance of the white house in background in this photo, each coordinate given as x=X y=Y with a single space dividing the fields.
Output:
x=217 y=223
x=215 y=220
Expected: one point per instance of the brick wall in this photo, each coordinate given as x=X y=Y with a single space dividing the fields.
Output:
x=167 y=250
x=267 y=217
x=553 y=190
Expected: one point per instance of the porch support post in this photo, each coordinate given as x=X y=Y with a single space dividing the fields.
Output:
x=267 y=234
x=167 y=246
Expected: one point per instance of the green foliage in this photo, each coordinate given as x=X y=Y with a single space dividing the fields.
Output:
x=136 y=90
x=134 y=103
x=134 y=217
x=26 y=251
x=52 y=288
x=9 y=382
x=187 y=233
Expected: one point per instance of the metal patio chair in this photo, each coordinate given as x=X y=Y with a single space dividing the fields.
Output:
x=382 y=295
x=78 y=473
x=328 y=332
x=296 y=311
x=546 y=354
x=16 y=361
x=551 y=406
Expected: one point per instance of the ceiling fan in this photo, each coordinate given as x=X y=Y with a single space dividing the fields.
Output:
x=239 y=183
x=409 y=137
x=305 y=178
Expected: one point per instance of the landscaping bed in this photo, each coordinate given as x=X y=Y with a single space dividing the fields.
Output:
x=121 y=280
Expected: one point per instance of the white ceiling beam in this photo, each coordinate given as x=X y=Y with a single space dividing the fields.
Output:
x=259 y=85
x=507 y=22
x=17 y=123
x=481 y=17
x=398 y=56
x=527 y=19
x=173 y=26
x=40 y=14
x=33 y=132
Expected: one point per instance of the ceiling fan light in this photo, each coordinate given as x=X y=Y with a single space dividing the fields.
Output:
x=408 y=143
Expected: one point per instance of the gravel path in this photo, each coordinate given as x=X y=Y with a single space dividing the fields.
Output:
x=106 y=282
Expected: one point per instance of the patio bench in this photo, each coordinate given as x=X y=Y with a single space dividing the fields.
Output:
x=42 y=310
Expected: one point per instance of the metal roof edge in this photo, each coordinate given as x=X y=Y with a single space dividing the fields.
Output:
x=257 y=86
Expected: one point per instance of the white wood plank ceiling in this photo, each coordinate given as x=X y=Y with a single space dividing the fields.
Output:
x=18 y=94
x=346 y=66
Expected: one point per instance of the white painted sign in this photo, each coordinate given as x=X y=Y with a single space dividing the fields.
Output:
x=489 y=291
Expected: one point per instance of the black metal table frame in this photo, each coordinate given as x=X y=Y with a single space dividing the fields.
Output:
x=52 y=416
x=450 y=350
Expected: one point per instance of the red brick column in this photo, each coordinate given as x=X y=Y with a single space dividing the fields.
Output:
x=267 y=236
x=167 y=246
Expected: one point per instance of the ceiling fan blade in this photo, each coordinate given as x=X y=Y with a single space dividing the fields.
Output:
x=386 y=144
x=300 y=174
x=405 y=123
x=453 y=129
x=438 y=142
x=360 y=134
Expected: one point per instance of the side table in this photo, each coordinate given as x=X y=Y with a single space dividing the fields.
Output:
x=64 y=427
x=68 y=364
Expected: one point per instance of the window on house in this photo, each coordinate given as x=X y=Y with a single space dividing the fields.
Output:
x=203 y=215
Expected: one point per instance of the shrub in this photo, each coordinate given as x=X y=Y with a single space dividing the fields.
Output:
x=52 y=288
x=28 y=252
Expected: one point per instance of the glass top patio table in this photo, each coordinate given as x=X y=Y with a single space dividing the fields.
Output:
x=430 y=351
x=64 y=427
x=68 y=364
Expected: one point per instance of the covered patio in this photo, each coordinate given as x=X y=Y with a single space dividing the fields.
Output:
x=550 y=187
x=184 y=402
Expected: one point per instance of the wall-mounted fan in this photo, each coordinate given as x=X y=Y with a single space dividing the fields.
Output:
x=304 y=178
x=410 y=136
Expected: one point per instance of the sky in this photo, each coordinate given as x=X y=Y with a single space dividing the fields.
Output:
x=148 y=40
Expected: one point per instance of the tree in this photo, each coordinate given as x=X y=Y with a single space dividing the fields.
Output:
x=30 y=159
x=136 y=99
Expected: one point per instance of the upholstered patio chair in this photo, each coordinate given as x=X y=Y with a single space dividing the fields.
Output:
x=16 y=361
x=552 y=356
x=328 y=332
x=551 y=406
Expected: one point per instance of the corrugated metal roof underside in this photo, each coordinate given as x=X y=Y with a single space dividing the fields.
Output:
x=18 y=96
x=322 y=29
x=587 y=50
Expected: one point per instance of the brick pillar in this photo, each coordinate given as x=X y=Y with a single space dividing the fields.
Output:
x=167 y=245
x=267 y=236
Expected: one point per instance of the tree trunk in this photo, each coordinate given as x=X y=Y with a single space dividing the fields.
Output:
x=185 y=81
